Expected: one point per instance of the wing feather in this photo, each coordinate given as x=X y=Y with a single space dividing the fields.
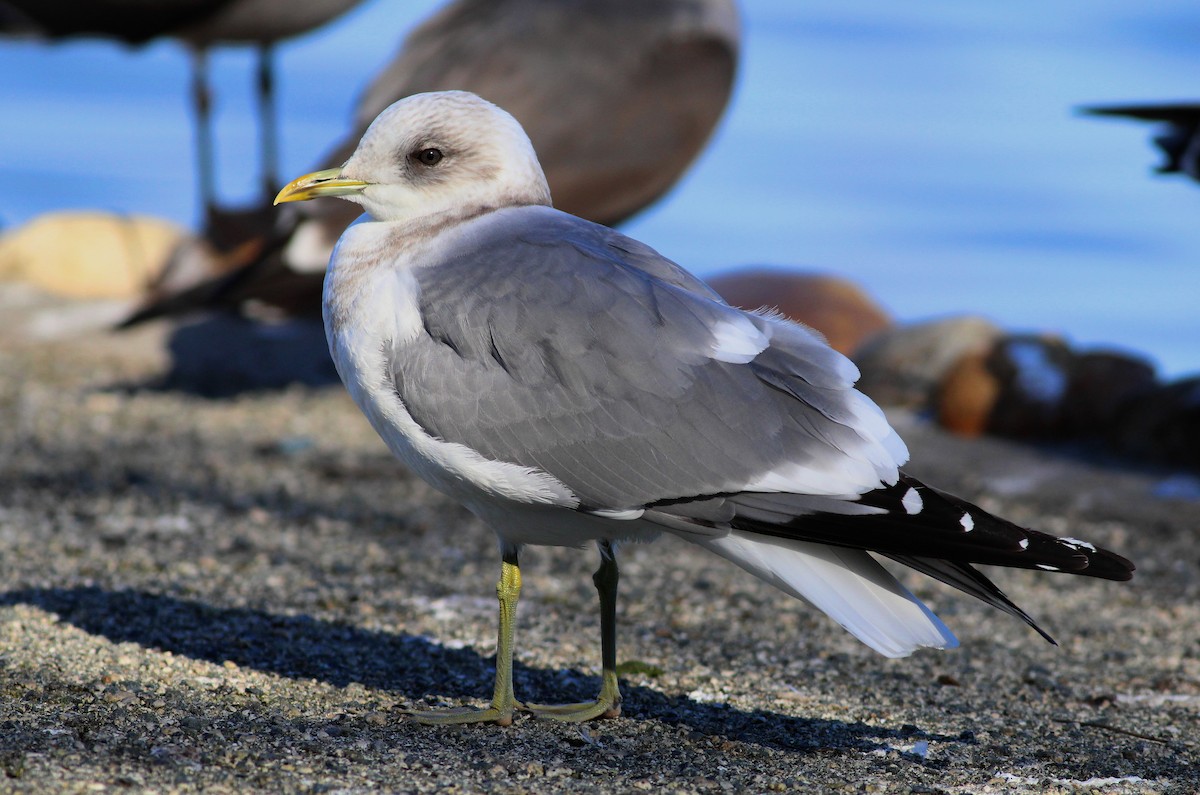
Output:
x=561 y=345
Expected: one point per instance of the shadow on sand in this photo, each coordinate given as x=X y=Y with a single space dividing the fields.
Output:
x=410 y=666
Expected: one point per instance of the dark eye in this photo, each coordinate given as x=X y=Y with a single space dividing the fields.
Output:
x=428 y=157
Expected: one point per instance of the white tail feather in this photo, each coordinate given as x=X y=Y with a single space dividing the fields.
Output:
x=847 y=584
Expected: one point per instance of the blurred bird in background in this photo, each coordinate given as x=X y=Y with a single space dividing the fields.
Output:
x=199 y=24
x=618 y=97
x=1179 y=139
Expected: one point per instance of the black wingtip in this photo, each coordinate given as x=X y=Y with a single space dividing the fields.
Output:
x=1109 y=566
x=1044 y=634
x=972 y=581
x=909 y=518
x=1095 y=561
x=1027 y=619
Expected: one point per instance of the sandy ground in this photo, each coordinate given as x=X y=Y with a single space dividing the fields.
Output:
x=238 y=595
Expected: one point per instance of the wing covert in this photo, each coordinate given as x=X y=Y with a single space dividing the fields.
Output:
x=550 y=344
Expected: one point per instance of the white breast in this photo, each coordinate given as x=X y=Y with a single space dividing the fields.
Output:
x=372 y=315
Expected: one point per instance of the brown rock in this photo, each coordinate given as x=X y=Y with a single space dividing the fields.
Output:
x=967 y=395
x=88 y=254
x=837 y=308
x=903 y=365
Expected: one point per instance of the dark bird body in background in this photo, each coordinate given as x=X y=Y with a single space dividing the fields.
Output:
x=200 y=24
x=1180 y=136
x=618 y=96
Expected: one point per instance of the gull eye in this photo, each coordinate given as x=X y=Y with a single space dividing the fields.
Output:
x=428 y=157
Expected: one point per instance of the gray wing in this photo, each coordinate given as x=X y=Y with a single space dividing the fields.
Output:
x=558 y=344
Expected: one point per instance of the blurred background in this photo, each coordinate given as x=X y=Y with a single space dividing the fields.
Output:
x=933 y=152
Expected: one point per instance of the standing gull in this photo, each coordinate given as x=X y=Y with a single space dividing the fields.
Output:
x=569 y=384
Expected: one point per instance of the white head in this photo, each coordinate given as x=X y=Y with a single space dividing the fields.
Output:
x=448 y=152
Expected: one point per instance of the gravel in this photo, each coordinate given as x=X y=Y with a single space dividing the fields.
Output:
x=239 y=595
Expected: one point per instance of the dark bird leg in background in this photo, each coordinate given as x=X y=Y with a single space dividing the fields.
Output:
x=205 y=140
x=268 y=123
x=205 y=163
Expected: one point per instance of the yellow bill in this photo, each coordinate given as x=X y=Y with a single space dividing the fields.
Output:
x=319 y=183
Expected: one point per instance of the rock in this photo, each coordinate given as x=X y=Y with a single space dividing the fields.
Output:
x=1162 y=424
x=967 y=394
x=1099 y=386
x=902 y=365
x=1032 y=376
x=1035 y=386
x=1014 y=388
x=88 y=254
x=31 y=313
x=836 y=307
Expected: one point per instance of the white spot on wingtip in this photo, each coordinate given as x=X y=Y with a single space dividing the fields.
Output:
x=1075 y=543
x=1023 y=543
x=968 y=523
x=912 y=502
x=1047 y=567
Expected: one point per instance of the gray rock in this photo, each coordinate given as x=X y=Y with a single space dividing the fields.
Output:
x=902 y=365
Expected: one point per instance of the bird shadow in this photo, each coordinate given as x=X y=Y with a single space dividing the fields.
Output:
x=222 y=355
x=411 y=666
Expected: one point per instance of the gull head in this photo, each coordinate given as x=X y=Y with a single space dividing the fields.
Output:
x=442 y=153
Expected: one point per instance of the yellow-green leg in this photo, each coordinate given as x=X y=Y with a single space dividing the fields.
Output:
x=508 y=590
x=608 y=703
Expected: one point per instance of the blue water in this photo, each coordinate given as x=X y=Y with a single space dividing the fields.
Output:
x=930 y=151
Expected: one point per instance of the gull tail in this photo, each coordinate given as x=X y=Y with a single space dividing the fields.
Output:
x=847 y=584
x=819 y=548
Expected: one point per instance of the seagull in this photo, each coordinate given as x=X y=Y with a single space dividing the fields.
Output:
x=570 y=385
x=1180 y=138
x=200 y=24
x=618 y=96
